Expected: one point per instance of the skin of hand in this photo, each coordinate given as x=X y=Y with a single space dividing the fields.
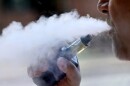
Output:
x=73 y=77
x=118 y=12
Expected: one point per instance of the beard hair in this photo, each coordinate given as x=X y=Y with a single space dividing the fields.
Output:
x=119 y=49
x=117 y=45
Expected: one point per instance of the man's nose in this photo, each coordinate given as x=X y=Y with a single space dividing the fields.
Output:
x=103 y=6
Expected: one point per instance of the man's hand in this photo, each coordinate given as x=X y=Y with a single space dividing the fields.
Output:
x=72 y=73
x=73 y=77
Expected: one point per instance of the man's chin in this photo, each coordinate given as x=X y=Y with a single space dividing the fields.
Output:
x=120 y=50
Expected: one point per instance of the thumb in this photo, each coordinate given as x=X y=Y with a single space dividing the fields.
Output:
x=72 y=73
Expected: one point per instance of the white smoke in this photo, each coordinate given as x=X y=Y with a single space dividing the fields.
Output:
x=39 y=38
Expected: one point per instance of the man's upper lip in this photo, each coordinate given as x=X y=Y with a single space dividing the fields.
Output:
x=104 y=4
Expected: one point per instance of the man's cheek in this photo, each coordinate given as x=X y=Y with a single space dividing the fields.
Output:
x=113 y=10
x=117 y=14
x=120 y=5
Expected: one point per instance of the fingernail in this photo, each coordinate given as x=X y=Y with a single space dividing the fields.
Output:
x=62 y=64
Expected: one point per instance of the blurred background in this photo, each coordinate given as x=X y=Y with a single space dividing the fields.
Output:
x=30 y=10
x=99 y=67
